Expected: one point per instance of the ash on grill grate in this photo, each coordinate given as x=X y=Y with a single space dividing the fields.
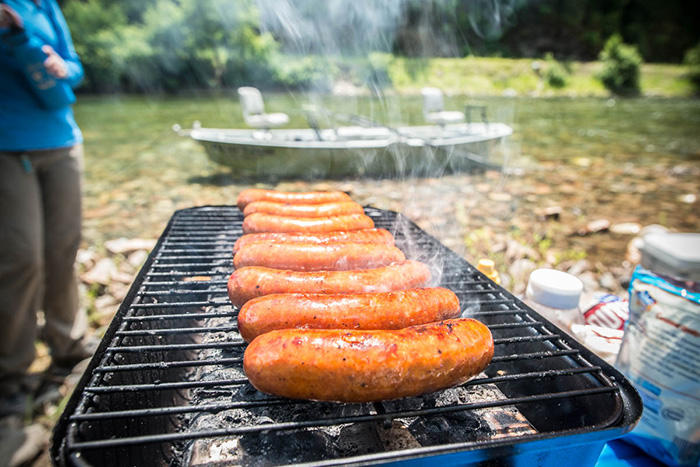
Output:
x=166 y=386
x=340 y=439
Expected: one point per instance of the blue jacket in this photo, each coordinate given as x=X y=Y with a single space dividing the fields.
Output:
x=24 y=125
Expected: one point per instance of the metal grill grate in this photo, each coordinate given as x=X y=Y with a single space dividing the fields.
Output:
x=175 y=339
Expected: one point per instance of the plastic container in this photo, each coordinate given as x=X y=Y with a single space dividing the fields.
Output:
x=675 y=256
x=50 y=92
x=659 y=352
x=555 y=295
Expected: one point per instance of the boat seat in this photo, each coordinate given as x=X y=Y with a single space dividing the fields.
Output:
x=434 y=108
x=253 y=109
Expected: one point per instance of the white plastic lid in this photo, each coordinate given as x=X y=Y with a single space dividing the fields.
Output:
x=673 y=254
x=555 y=289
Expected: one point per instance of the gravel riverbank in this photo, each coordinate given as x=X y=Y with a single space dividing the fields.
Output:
x=577 y=203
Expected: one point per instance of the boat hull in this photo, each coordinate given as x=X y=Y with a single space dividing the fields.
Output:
x=305 y=154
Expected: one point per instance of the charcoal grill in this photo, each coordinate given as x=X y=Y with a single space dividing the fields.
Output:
x=166 y=385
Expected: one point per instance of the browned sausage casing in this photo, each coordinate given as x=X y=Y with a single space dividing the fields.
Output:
x=367 y=366
x=254 y=281
x=304 y=210
x=349 y=236
x=381 y=310
x=260 y=222
x=308 y=197
x=315 y=257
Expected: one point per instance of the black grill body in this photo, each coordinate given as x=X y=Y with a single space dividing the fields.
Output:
x=171 y=361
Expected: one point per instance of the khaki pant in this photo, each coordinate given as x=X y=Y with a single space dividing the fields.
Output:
x=40 y=223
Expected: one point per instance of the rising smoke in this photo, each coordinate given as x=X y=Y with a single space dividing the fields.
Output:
x=358 y=29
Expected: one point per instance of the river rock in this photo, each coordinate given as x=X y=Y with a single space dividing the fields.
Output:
x=551 y=212
x=520 y=271
x=101 y=273
x=590 y=281
x=500 y=197
x=550 y=257
x=626 y=228
x=106 y=301
x=596 y=226
x=506 y=281
x=653 y=228
x=137 y=258
x=124 y=246
x=607 y=281
x=87 y=258
x=579 y=267
x=515 y=251
x=122 y=277
x=633 y=252
x=118 y=291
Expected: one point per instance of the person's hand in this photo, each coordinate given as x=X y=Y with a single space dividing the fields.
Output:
x=54 y=64
x=8 y=17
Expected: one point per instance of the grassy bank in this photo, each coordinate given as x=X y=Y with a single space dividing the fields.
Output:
x=502 y=76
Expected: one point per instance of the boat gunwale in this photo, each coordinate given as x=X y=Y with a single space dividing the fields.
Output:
x=401 y=136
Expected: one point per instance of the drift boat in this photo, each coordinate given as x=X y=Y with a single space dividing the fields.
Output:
x=368 y=149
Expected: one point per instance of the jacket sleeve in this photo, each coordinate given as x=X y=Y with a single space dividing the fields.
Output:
x=66 y=48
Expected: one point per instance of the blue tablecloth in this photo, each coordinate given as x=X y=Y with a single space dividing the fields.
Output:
x=619 y=454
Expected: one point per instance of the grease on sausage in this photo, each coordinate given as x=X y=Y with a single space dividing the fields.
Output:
x=309 y=197
x=349 y=236
x=316 y=257
x=260 y=222
x=367 y=366
x=254 y=281
x=380 y=310
x=304 y=210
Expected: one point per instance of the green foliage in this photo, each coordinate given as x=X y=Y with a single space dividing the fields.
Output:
x=308 y=72
x=377 y=75
x=170 y=45
x=556 y=74
x=95 y=30
x=621 y=65
x=692 y=61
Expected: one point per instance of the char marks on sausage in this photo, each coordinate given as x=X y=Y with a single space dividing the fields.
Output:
x=254 y=281
x=318 y=257
x=380 y=310
x=367 y=366
x=343 y=236
x=261 y=222
x=309 y=197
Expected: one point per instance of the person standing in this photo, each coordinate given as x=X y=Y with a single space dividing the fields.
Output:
x=41 y=156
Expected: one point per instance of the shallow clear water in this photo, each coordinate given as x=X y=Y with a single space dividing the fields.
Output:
x=138 y=171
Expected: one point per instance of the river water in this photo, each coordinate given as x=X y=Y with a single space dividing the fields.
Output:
x=621 y=160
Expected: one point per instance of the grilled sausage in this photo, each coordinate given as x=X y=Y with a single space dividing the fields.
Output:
x=367 y=366
x=260 y=222
x=304 y=210
x=381 y=310
x=254 y=281
x=315 y=257
x=349 y=236
x=309 y=197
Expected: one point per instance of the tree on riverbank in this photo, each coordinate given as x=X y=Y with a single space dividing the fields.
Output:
x=170 y=45
x=621 y=64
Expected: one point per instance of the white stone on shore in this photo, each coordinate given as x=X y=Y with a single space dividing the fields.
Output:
x=125 y=246
x=101 y=273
